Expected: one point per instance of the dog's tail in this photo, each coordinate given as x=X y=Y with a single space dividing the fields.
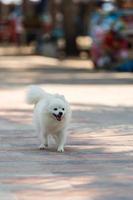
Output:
x=34 y=94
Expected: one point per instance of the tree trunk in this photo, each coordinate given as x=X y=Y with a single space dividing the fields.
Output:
x=69 y=13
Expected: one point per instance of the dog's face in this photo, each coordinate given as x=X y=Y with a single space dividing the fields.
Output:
x=57 y=109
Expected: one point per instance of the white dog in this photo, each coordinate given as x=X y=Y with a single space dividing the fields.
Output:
x=52 y=114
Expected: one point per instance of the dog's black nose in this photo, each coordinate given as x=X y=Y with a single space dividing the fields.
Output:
x=60 y=113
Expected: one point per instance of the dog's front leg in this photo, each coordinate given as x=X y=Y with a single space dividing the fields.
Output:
x=43 y=140
x=61 y=141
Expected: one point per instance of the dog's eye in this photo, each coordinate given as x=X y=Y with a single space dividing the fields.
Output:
x=55 y=109
x=63 y=109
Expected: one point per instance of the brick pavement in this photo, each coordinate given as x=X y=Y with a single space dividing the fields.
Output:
x=98 y=160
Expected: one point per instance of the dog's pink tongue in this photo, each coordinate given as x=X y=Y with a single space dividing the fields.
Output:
x=58 y=118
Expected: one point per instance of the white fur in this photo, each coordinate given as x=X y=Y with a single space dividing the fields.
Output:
x=47 y=119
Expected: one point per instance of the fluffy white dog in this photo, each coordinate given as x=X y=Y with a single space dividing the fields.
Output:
x=52 y=114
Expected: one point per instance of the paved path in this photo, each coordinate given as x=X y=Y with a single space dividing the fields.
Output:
x=98 y=161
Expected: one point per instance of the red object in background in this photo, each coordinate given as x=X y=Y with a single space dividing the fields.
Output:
x=12 y=30
x=8 y=31
x=4 y=32
x=109 y=41
x=47 y=27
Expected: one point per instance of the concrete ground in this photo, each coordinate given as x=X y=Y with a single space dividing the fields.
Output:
x=98 y=160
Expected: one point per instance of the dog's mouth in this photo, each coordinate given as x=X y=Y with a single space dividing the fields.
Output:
x=58 y=117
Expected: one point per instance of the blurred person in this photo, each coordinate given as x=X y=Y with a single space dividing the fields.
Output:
x=97 y=34
x=12 y=24
x=16 y=28
x=110 y=44
x=116 y=47
x=123 y=47
x=19 y=30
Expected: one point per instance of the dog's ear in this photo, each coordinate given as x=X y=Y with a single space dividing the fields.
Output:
x=60 y=97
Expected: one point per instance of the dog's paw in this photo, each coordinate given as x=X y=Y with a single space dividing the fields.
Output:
x=42 y=147
x=60 y=149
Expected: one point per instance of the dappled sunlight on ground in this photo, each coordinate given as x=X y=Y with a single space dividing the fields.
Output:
x=56 y=186
x=32 y=62
x=17 y=115
x=22 y=71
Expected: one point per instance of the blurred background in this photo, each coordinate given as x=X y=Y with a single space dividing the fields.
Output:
x=93 y=30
